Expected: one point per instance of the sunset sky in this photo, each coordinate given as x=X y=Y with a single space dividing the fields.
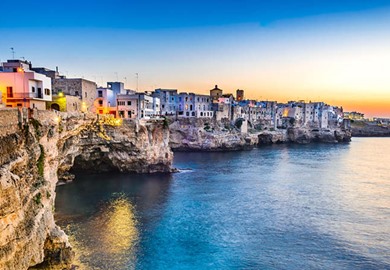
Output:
x=333 y=51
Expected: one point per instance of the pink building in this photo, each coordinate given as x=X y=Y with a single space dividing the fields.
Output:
x=22 y=87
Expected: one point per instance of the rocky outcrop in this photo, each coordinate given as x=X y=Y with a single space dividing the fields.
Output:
x=33 y=153
x=305 y=135
x=188 y=134
x=130 y=146
x=271 y=137
x=194 y=134
x=369 y=129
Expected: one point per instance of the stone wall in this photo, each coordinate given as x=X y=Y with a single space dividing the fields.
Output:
x=9 y=120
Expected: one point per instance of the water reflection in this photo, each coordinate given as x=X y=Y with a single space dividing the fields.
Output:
x=109 y=239
x=102 y=215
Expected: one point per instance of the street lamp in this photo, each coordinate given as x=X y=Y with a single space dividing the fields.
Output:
x=21 y=70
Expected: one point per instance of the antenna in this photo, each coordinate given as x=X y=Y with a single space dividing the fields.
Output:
x=136 y=74
x=13 y=52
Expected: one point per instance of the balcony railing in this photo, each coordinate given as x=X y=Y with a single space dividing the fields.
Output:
x=24 y=95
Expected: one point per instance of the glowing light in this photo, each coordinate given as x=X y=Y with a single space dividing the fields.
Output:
x=20 y=69
x=57 y=119
x=60 y=94
x=83 y=107
x=118 y=122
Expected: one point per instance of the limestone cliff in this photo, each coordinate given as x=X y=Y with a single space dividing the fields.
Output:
x=369 y=129
x=34 y=152
x=304 y=135
x=210 y=135
x=196 y=134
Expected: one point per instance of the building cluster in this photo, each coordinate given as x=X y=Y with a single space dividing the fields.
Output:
x=22 y=85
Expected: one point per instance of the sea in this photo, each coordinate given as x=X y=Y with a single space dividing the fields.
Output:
x=314 y=206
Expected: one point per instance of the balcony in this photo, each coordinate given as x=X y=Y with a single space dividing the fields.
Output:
x=24 y=95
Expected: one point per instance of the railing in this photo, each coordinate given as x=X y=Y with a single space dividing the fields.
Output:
x=24 y=95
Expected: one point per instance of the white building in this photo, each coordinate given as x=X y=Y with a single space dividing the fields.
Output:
x=138 y=106
x=168 y=99
x=22 y=87
x=194 y=105
x=203 y=106
x=106 y=101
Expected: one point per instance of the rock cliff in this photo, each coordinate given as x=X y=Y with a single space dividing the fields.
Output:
x=304 y=135
x=197 y=134
x=209 y=135
x=369 y=129
x=35 y=152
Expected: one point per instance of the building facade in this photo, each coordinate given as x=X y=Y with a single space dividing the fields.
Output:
x=22 y=87
x=82 y=88
x=168 y=99
x=138 y=106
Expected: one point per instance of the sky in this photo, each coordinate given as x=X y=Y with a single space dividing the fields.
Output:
x=312 y=50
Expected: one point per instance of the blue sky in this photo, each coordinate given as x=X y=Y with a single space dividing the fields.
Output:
x=337 y=51
x=167 y=14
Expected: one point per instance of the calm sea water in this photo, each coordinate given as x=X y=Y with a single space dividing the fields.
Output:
x=315 y=206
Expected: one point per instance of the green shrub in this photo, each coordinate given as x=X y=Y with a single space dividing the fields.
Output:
x=38 y=198
x=41 y=161
x=37 y=126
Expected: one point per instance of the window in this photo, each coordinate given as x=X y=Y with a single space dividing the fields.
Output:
x=10 y=93
x=39 y=92
x=163 y=106
x=33 y=89
x=186 y=99
x=180 y=99
x=128 y=103
x=121 y=114
x=47 y=91
x=19 y=105
x=100 y=93
x=76 y=93
x=100 y=102
x=129 y=114
x=190 y=107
